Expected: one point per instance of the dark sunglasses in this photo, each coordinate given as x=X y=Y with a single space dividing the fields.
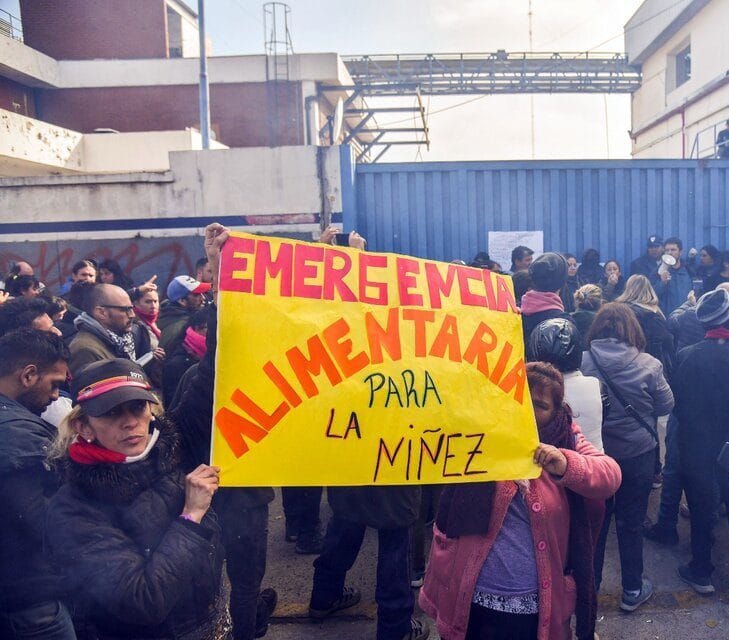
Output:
x=135 y=407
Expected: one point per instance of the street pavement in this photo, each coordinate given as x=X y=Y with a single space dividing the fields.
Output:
x=674 y=613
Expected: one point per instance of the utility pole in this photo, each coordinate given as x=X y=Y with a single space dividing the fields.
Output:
x=531 y=95
x=204 y=86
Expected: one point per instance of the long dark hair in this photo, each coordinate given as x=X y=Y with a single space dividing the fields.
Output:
x=121 y=279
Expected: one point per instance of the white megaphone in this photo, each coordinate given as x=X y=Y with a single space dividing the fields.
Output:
x=666 y=262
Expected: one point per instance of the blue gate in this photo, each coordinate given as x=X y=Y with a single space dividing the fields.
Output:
x=444 y=211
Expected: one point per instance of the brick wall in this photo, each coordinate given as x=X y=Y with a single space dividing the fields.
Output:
x=86 y=29
x=243 y=115
x=13 y=93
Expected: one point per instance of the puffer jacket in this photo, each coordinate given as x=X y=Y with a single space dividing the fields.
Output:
x=135 y=569
x=26 y=575
x=639 y=378
x=455 y=563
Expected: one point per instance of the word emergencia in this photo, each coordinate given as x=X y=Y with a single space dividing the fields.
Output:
x=340 y=367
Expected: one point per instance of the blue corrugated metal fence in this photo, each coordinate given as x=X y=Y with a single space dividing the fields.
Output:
x=444 y=211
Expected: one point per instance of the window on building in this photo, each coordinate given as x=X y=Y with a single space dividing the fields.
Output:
x=174 y=33
x=683 y=65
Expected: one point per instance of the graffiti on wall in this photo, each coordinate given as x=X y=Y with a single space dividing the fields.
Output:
x=141 y=258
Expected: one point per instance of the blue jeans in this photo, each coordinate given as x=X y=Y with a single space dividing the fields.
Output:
x=43 y=621
x=395 y=601
x=629 y=505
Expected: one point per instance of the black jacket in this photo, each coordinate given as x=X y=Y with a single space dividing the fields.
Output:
x=644 y=266
x=658 y=339
x=379 y=507
x=529 y=322
x=609 y=291
x=567 y=293
x=583 y=319
x=173 y=369
x=27 y=484
x=193 y=414
x=134 y=568
x=701 y=389
x=685 y=327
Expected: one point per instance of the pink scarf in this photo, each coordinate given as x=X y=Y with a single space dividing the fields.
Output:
x=535 y=301
x=150 y=319
x=194 y=343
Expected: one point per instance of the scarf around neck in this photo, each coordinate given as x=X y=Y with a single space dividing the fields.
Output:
x=123 y=345
x=718 y=333
x=89 y=453
x=535 y=301
x=149 y=319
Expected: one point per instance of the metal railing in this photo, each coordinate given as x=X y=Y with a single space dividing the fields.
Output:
x=704 y=145
x=10 y=26
x=495 y=72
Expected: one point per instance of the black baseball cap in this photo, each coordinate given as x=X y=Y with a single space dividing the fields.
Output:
x=100 y=386
x=655 y=241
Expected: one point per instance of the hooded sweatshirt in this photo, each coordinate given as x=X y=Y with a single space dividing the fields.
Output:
x=537 y=306
x=639 y=378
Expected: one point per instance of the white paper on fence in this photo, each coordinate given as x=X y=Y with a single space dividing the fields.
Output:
x=502 y=242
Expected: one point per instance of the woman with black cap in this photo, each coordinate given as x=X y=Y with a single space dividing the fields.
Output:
x=135 y=537
x=548 y=273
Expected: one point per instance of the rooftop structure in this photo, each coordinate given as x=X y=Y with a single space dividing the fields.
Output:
x=683 y=54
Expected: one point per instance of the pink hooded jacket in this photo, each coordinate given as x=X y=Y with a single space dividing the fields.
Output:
x=455 y=563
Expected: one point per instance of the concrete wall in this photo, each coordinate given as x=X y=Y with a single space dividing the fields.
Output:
x=648 y=22
x=87 y=29
x=137 y=151
x=149 y=221
x=162 y=94
x=26 y=65
x=657 y=122
x=31 y=147
x=141 y=258
x=285 y=188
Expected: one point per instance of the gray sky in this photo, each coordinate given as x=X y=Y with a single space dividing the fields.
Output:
x=492 y=127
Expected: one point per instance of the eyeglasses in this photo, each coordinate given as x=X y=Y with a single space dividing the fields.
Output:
x=126 y=310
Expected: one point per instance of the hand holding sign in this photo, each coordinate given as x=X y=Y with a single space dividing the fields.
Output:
x=343 y=367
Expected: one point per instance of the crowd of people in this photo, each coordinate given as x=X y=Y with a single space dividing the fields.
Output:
x=115 y=525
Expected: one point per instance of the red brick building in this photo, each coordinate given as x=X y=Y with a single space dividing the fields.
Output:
x=131 y=65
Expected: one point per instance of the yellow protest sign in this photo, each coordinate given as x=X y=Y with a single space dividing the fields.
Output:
x=341 y=367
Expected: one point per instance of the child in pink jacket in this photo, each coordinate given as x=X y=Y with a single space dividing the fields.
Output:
x=515 y=559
